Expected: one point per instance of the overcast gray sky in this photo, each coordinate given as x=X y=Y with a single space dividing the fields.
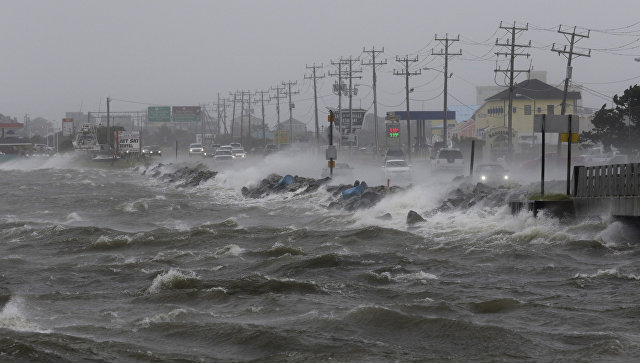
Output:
x=69 y=55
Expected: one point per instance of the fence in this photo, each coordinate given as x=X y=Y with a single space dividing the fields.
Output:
x=617 y=180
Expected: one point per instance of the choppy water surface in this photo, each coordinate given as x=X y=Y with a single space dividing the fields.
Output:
x=109 y=264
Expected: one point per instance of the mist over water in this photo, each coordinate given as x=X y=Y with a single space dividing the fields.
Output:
x=110 y=263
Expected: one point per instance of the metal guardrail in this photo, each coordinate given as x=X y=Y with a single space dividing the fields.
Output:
x=617 y=180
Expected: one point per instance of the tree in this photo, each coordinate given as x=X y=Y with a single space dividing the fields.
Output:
x=618 y=127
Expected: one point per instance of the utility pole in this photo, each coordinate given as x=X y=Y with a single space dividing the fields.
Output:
x=445 y=52
x=351 y=91
x=406 y=73
x=339 y=90
x=218 y=115
x=373 y=63
x=315 y=97
x=248 y=119
x=278 y=95
x=241 y=114
x=291 y=106
x=233 y=113
x=108 y=120
x=569 y=54
x=513 y=30
x=264 y=135
x=224 y=115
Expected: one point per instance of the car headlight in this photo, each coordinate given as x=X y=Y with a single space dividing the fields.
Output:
x=483 y=177
x=506 y=177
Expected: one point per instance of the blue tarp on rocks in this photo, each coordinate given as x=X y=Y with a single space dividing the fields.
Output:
x=357 y=190
x=286 y=180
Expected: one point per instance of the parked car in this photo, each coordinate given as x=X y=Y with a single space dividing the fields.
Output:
x=239 y=153
x=490 y=173
x=151 y=150
x=397 y=169
x=448 y=160
x=341 y=170
x=223 y=155
x=196 y=149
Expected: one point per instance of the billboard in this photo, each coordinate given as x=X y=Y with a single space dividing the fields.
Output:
x=186 y=113
x=67 y=126
x=129 y=141
x=556 y=123
x=159 y=114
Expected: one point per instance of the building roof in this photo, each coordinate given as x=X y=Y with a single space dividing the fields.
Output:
x=534 y=89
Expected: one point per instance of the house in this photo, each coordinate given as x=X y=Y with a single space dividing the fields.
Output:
x=531 y=97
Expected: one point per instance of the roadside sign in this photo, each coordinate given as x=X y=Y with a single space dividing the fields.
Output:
x=67 y=126
x=186 y=113
x=564 y=137
x=331 y=152
x=555 y=123
x=129 y=141
x=159 y=114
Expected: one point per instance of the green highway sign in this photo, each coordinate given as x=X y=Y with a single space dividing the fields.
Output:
x=159 y=114
x=186 y=113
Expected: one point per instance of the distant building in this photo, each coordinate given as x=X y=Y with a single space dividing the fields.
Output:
x=531 y=97
x=299 y=129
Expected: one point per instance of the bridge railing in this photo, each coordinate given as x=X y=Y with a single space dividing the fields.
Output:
x=617 y=180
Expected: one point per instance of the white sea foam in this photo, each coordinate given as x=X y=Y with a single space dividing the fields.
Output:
x=229 y=250
x=171 y=279
x=612 y=272
x=13 y=317
x=168 y=317
x=73 y=217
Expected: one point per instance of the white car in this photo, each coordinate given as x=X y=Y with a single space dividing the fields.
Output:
x=239 y=153
x=196 y=149
x=395 y=169
x=448 y=160
x=223 y=155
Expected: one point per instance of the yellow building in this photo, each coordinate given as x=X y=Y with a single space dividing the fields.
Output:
x=531 y=97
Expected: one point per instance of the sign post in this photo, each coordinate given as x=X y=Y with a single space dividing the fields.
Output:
x=331 y=150
x=560 y=124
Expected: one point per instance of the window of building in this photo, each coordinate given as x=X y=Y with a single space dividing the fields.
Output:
x=514 y=109
x=550 y=109
x=527 y=109
x=539 y=110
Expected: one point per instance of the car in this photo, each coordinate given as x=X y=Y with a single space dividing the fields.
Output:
x=397 y=169
x=490 y=173
x=223 y=155
x=151 y=150
x=447 y=160
x=238 y=153
x=196 y=149
x=270 y=148
x=235 y=144
x=341 y=170
x=209 y=151
x=394 y=153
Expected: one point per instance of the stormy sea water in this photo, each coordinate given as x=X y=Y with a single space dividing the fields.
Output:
x=112 y=264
